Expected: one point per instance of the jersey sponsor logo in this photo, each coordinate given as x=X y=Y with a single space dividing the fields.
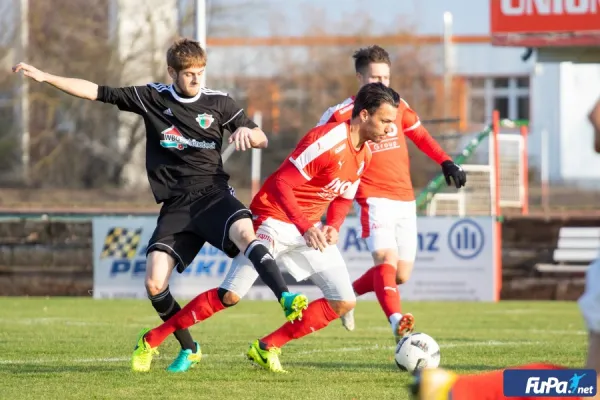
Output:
x=205 y=120
x=386 y=144
x=173 y=139
x=334 y=189
x=168 y=112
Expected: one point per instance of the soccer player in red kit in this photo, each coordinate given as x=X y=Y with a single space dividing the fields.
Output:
x=321 y=175
x=388 y=212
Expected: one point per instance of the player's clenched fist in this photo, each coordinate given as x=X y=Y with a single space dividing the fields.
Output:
x=30 y=71
x=244 y=138
x=315 y=238
x=331 y=234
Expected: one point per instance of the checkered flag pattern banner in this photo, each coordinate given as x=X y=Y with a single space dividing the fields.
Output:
x=121 y=243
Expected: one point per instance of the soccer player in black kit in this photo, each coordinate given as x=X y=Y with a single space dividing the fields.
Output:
x=185 y=124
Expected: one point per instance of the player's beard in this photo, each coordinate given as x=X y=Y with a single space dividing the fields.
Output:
x=375 y=137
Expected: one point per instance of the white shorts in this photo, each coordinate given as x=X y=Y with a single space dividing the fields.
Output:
x=589 y=303
x=326 y=269
x=389 y=224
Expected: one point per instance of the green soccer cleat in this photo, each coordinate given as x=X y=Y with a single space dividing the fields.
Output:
x=142 y=354
x=293 y=304
x=186 y=360
x=268 y=359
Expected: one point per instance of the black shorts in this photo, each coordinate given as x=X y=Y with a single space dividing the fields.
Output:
x=187 y=222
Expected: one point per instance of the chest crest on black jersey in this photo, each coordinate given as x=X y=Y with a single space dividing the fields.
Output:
x=205 y=120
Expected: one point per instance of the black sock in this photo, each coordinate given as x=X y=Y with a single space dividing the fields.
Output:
x=166 y=306
x=266 y=267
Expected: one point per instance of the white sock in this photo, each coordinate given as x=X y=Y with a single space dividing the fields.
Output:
x=395 y=319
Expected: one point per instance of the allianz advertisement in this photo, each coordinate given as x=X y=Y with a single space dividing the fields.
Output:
x=455 y=261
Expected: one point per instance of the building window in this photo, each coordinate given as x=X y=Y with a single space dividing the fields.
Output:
x=501 y=104
x=501 y=82
x=509 y=95
x=523 y=82
x=523 y=107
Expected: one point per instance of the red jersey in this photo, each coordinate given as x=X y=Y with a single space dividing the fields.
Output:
x=389 y=174
x=330 y=167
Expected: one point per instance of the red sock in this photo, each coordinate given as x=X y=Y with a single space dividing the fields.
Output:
x=386 y=289
x=364 y=284
x=200 y=308
x=317 y=316
x=489 y=385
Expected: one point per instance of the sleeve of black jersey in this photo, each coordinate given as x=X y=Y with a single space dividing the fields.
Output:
x=132 y=98
x=235 y=117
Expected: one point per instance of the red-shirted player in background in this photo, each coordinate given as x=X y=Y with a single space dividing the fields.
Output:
x=388 y=212
x=321 y=175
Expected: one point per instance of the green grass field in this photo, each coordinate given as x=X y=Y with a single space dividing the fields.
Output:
x=75 y=348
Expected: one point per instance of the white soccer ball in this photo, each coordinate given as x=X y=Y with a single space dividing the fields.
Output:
x=417 y=351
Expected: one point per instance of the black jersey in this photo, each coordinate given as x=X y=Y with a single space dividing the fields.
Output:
x=184 y=135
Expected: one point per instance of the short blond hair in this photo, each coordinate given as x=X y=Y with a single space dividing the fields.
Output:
x=186 y=53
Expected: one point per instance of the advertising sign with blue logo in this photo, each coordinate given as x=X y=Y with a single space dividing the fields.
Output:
x=549 y=383
x=455 y=261
x=455 y=258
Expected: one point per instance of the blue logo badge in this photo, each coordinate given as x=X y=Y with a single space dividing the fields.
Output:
x=550 y=382
x=466 y=239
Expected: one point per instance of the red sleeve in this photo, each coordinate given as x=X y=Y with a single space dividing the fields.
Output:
x=285 y=180
x=337 y=211
x=411 y=125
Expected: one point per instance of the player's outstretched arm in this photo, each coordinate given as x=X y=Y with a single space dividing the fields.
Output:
x=73 y=86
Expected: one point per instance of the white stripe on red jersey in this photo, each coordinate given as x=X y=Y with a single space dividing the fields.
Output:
x=320 y=146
